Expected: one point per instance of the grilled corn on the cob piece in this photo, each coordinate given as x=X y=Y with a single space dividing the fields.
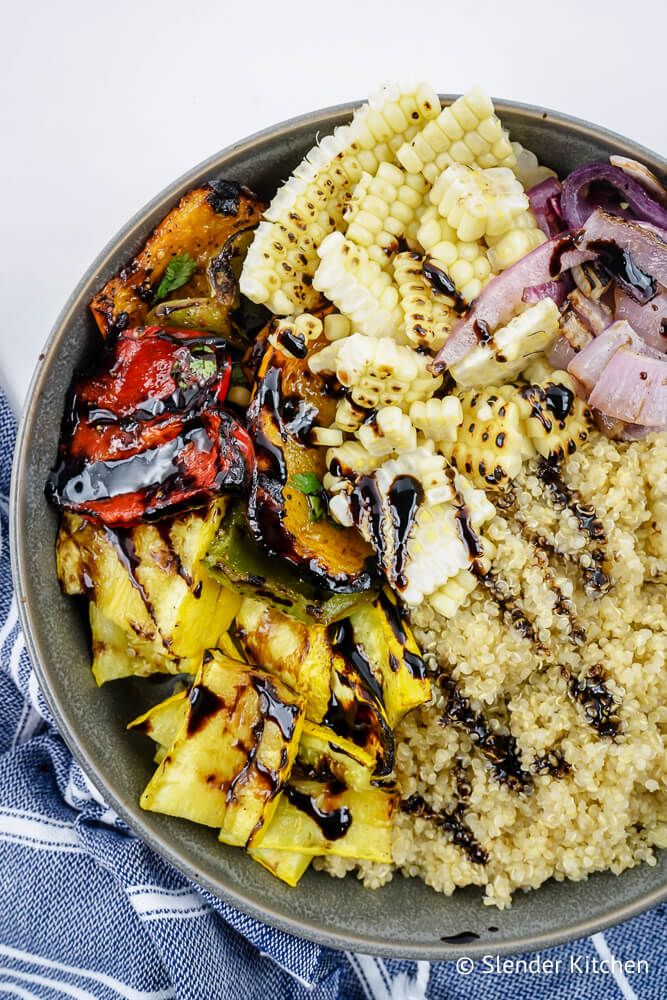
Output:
x=491 y=444
x=358 y=287
x=389 y=431
x=438 y=419
x=382 y=209
x=509 y=349
x=525 y=235
x=376 y=371
x=468 y=131
x=556 y=420
x=282 y=258
x=478 y=202
x=466 y=263
x=428 y=317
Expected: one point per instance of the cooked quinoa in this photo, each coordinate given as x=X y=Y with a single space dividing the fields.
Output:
x=559 y=670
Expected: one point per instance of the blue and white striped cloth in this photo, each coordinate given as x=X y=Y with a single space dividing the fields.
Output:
x=89 y=911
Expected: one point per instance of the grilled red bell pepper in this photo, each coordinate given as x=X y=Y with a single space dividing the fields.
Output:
x=145 y=434
x=199 y=458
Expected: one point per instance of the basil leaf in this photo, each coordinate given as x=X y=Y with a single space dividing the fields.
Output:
x=178 y=272
x=317 y=506
x=306 y=482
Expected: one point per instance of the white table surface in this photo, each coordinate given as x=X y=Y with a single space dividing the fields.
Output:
x=104 y=103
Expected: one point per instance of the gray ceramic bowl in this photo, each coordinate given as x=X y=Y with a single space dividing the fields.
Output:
x=405 y=918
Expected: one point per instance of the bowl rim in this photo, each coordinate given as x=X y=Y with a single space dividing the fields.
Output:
x=313 y=931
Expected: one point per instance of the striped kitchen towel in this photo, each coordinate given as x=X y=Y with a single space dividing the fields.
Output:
x=89 y=911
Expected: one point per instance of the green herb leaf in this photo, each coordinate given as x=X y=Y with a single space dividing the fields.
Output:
x=318 y=507
x=205 y=368
x=179 y=271
x=306 y=482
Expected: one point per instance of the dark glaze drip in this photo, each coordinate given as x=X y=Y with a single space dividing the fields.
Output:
x=294 y=343
x=597 y=701
x=334 y=824
x=500 y=749
x=565 y=244
x=534 y=395
x=341 y=636
x=204 y=703
x=640 y=285
x=121 y=539
x=405 y=496
x=509 y=605
x=596 y=580
x=441 y=283
x=482 y=332
x=451 y=820
x=322 y=772
x=298 y=417
x=413 y=661
x=361 y=722
x=464 y=937
x=552 y=762
x=268 y=398
x=272 y=708
x=559 y=400
x=365 y=500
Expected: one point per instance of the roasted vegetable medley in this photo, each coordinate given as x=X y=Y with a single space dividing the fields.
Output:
x=297 y=424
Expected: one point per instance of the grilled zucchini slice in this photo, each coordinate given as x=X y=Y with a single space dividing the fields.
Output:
x=330 y=806
x=391 y=649
x=232 y=753
x=149 y=582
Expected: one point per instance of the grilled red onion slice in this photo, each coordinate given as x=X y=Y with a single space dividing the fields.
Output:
x=649 y=321
x=545 y=205
x=576 y=206
x=595 y=315
x=587 y=366
x=633 y=388
x=560 y=354
x=498 y=301
x=634 y=255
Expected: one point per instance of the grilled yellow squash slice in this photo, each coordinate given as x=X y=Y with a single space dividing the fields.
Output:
x=232 y=753
x=288 y=866
x=149 y=585
x=162 y=722
x=391 y=649
x=330 y=806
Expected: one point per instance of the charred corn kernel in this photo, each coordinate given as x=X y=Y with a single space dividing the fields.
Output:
x=468 y=131
x=428 y=317
x=466 y=263
x=437 y=419
x=292 y=335
x=478 y=202
x=358 y=287
x=556 y=420
x=491 y=443
x=376 y=371
x=349 y=416
x=341 y=509
x=390 y=430
x=421 y=557
x=524 y=236
x=326 y=437
x=381 y=210
x=510 y=348
x=448 y=599
x=282 y=258
x=336 y=326
x=350 y=460
x=527 y=168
